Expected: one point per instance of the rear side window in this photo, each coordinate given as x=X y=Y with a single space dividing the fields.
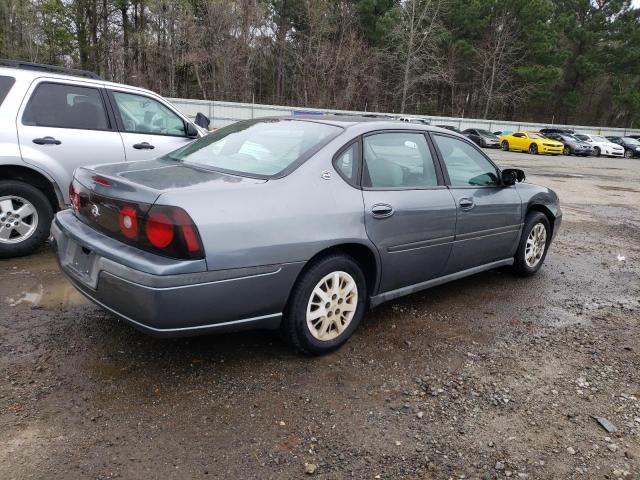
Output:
x=398 y=160
x=347 y=163
x=5 y=85
x=142 y=114
x=66 y=106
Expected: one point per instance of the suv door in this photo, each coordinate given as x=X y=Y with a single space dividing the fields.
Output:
x=65 y=125
x=149 y=128
x=489 y=215
x=409 y=213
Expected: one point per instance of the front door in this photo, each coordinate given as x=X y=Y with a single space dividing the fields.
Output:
x=409 y=213
x=149 y=128
x=489 y=215
x=65 y=126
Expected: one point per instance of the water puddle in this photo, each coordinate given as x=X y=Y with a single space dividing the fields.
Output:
x=54 y=294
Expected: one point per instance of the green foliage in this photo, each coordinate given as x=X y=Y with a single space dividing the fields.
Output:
x=577 y=61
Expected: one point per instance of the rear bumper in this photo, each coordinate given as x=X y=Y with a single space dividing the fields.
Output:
x=178 y=304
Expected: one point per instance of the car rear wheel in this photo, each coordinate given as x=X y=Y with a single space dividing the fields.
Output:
x=505 y=146
x=326 y=305
x=566 y=151
x=533 y=149
x=597 y=151
x=25 y=218
x=533 y=246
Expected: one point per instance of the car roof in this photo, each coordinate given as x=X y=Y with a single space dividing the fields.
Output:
x=369 y=123
x=29 y=75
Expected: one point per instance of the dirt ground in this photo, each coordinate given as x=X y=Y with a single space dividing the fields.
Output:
x=489 y=377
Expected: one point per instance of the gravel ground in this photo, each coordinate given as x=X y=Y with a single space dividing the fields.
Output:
x=489 y=377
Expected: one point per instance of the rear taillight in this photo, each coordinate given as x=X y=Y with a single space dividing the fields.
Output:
x=171 y=231
x=74 y=197
x=128 y=222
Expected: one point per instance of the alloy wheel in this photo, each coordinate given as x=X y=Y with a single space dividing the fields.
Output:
x=536 y=243
x=332 y=305
x=18 y=219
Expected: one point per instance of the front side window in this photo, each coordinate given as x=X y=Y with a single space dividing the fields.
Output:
x=260 y=148
x=142 y=114
x=466 y=166
x=398 y=160
x=66 y=106
x=5 y=85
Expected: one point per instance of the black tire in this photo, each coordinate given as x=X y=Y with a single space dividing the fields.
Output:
x=596 y=151
x=44 y=212
x=533 y=149
x=294 y=323
x=628 y=154
x=520 y=265
x=566 y=151
x=505 y=145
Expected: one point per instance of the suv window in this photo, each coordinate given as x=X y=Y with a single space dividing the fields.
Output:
x=5 y=85
x=66 y=106
x=396 y=160
x=142 y=114
x=466 y=166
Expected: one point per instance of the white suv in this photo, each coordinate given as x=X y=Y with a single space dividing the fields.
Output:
x=54 y=120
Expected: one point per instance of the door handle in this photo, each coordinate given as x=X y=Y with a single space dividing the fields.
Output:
x=143 y=146
x=46 y=141
x=466 y=203
x=381 y=210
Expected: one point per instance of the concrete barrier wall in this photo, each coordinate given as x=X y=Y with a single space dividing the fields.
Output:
x=224 y=113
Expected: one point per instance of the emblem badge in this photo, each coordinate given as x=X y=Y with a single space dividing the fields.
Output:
x=95 y=211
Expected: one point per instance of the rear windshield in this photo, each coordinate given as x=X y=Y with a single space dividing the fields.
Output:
x=257 y=148
x=5 y=85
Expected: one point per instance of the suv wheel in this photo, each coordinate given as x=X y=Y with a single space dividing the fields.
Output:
x=326 y=305
x=534 y=242
x=25 y=218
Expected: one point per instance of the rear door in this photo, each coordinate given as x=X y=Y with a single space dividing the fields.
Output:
x=66 y=125
x=489 y=215
x=409 y=213
x=149 y=128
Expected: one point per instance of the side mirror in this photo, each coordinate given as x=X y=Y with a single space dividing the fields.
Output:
x=192 y=131
x=511 y=176
x=202 y=120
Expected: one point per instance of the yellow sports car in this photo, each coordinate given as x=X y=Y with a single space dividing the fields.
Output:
x=531 y=142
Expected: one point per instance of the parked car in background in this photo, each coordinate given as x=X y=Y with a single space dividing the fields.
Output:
x=204 y=239
x=482 y=138
x=572 y=145
x=450 y=127
x=420 y=121
x=601 y=146
x=631 y=145
x=547 y=130
x=531 y=142
x=54 y=120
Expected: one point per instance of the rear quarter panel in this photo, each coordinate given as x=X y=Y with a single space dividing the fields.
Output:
x=279 y=221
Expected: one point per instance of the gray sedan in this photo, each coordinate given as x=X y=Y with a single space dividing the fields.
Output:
x=298 y=224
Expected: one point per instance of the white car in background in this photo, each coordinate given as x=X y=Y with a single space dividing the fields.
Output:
x=601 y=145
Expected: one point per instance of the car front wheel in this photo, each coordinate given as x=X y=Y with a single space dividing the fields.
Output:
x=25 y=218
x=628 y=154
x=533 y=246
x=326 y=305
